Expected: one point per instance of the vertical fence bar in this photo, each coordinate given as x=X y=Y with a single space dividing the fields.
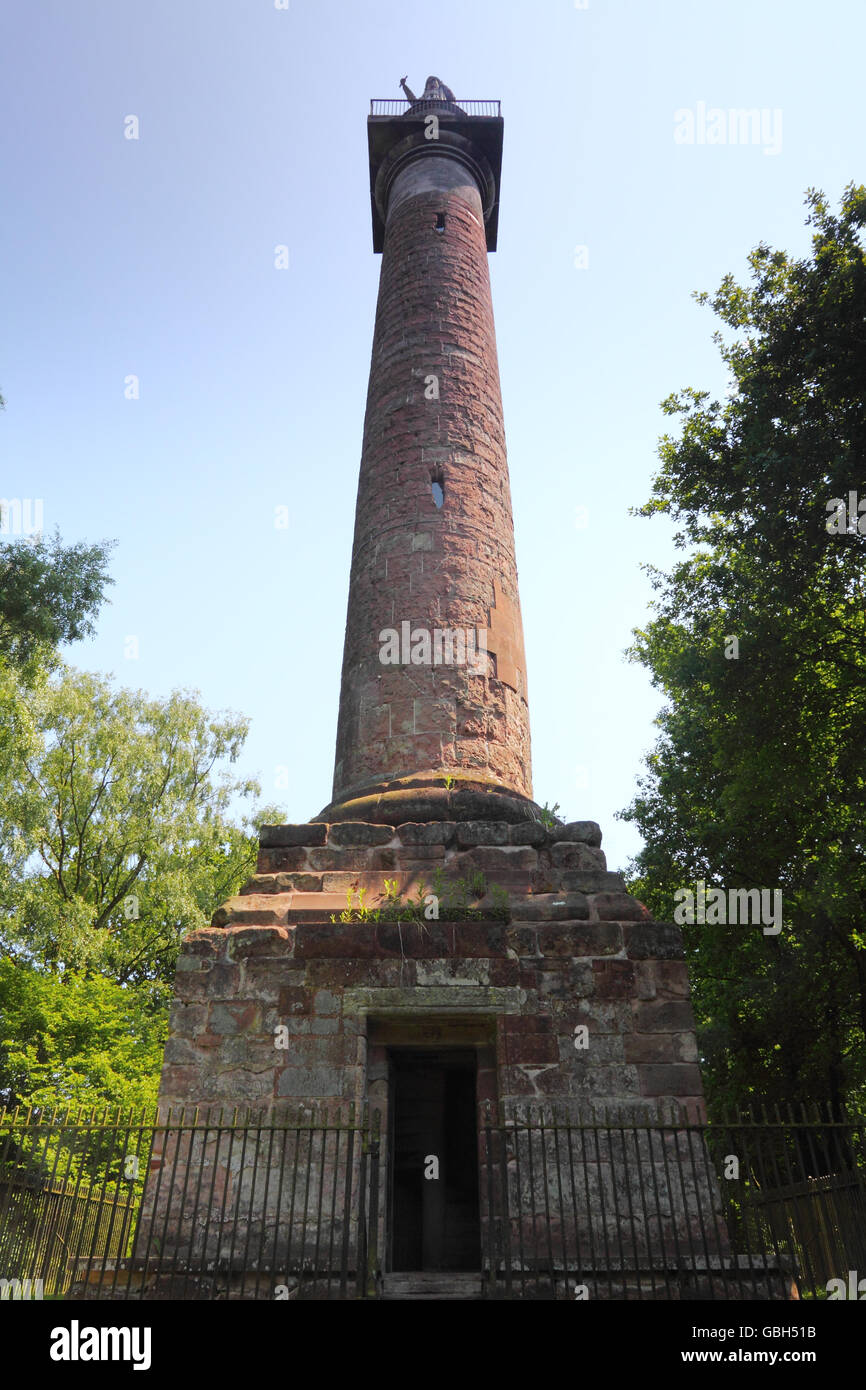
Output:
x=518 y=1202
x=491 y=1242
x=347 y=1202
x=373 y=1244
x=361 y=1272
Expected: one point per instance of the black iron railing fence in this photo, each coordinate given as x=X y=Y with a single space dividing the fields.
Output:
x=190 y=1204
x=751 y=1206
x=294 y=1204
x=398 y=106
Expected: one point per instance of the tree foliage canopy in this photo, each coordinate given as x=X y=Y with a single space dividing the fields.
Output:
x=116 y=841
x=758 y=642
x=49 y=594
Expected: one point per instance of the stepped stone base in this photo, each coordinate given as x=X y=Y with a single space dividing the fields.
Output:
x=278 y=1002
x=539 y=963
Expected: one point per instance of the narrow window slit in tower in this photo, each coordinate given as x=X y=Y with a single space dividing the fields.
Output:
x=438 y=487
x=440 y=222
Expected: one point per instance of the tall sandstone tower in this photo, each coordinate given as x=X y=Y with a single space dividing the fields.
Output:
x=433 y=550
x=430 y=943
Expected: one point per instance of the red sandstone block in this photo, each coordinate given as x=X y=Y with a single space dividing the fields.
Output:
x=532 y=1049
x=272 y=861
x=534 y=1081
x=663 y=1016
x=299 y=883
x=528 y=1024
x=613 y=979
x=528 y=832
x=186 y=1020
x=645 y=983
x=649 y=1047
x=494 y=860
x=206 y=943
x=434 y=716
x=580 y=939
x=374 y=722
x=264 y=883
x=589 y=881
x=523 y=941
x=676 y=1079
x=222 y=981
x=414 y=833
x=283 y=836
x=388 y=859
x=327 y=1049
x=471 y=833
x=484 y=940
x=373 y=884
x=577 y=857
x=506 y=972
x=653 y=940
x=355 y=940
x=618 y=907
x=293 y=999
x=578 y=831
x=180 y=1083
x=315 y=907
x=359 y=833
x=238 y=1017
x=245 y=943
x=549 y=907
x=671 y=979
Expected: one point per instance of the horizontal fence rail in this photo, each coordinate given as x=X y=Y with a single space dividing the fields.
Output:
x=294 y=1204
x=398 y=106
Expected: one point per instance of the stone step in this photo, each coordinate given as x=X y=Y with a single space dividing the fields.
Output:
x=373 y=884
x=430 y=1285
x=524 y=832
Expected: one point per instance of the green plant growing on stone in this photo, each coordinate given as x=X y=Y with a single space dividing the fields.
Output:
x=478 y=884
x=455 y=899
x=501 y=903
x=361 y=913
x=448 y=783
x=548 y=817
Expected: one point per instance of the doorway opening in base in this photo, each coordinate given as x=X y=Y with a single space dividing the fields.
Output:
x=433 y=1143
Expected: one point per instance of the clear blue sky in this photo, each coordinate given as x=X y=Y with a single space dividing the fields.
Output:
x=155 y=257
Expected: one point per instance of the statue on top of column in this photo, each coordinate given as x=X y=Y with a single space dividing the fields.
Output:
x=434 y=90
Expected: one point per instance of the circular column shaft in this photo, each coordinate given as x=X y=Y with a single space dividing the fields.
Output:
x=434 y=675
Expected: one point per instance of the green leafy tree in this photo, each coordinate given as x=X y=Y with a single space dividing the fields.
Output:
x=116 y=841
x=758 y=642
x=49 y=594
x=80 y=1041
x=116 y=819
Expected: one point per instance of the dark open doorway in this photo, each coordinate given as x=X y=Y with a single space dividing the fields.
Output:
x=434 y=1160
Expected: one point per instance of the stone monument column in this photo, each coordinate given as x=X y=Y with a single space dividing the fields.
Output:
x=434 y=690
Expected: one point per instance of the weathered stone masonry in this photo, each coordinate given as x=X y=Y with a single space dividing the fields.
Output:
x=577 y=950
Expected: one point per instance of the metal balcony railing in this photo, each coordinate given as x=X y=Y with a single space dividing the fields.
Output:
x=398 y=106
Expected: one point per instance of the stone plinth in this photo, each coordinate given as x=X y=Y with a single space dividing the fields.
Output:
x=545 y=942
